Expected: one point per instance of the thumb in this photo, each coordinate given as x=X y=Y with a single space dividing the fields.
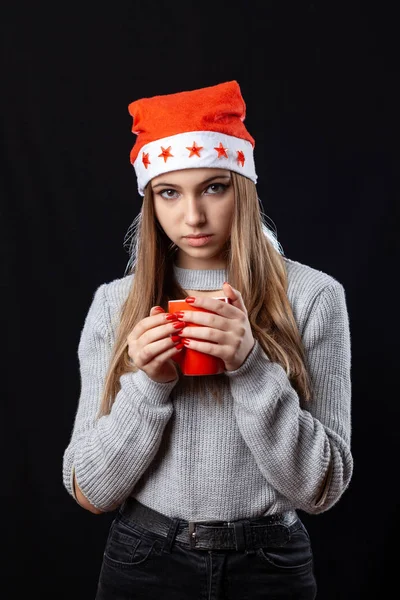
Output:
x=155 y=310
x=234 y=296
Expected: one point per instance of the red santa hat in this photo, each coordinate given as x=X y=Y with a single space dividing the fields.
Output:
x=198 y=128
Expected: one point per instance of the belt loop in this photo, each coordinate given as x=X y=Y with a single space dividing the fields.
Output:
x=248 y=537
x=240 y=539
x=171 y=535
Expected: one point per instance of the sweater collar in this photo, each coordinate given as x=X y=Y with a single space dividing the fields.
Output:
x=200 y=279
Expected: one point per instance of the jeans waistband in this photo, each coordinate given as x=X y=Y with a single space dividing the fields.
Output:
x=242 y=535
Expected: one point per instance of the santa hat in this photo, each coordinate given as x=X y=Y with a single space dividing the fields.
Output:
x=198 y=128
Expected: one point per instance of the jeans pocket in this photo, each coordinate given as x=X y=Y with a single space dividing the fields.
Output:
x=127 y=546
x=295 y=556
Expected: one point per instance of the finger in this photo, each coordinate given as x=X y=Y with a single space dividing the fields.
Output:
x=215 y=305
x=156 y=310
x=217 y=350
x=207 y=319
x=216 y=336
x=156 y=351
x=159 y=333
x=148 y=323
x=234 y=296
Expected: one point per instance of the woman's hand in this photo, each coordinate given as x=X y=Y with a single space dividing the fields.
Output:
x=153 y=342
x=226 y=334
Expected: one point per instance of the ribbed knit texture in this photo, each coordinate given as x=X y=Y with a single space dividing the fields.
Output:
x=258 y=451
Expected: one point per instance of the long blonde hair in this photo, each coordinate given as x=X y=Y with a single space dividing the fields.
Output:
x=255 y=266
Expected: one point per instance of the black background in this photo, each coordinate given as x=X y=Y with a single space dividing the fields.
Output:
x=320 y=83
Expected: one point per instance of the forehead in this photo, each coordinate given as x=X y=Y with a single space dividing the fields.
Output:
x=189 y=176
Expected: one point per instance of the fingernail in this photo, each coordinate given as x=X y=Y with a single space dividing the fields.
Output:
x=171 y=317
x=158 y=309
x=179 y=314
x=179 y=325
x=186 y=342
x=190 y=299
x=179 y=346
x=175 y=338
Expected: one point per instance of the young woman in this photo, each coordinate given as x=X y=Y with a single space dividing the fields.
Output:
x=206 y=473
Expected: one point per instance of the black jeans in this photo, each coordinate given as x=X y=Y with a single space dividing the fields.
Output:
x=139 y=564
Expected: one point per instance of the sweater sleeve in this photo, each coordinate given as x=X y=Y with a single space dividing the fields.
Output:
x=109 y=454
x=302 y=449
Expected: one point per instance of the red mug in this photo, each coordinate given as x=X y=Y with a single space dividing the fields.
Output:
x=193 y=362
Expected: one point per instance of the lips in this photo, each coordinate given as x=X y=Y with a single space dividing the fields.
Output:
x=198 y=241
x=198 y=235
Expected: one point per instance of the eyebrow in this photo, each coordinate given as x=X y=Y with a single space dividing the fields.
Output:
x=175 y=185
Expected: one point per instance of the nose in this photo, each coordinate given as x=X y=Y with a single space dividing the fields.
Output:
x=194 y=211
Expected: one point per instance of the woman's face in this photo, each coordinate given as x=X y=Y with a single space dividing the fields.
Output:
x=192 y=202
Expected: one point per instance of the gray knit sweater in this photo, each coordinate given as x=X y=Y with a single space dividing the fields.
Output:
x=258 y=451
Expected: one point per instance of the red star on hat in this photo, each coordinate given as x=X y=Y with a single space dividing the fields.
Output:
x=145 y=159
x=222 y=152
x=194 y=150
x=240 y=157
x=166 y=154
